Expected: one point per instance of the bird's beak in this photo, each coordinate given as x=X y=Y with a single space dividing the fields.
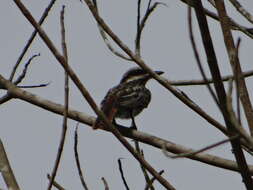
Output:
x=159 y=72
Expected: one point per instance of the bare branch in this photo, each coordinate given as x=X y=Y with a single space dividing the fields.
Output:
x=196 y=55
x=145 y=173
x=55 y=184
x=22 y=76
x=141 y=25
x=5 y=169
x=66 y=103
x=5 y=98
x=122 y=174
x=152 y=181
x=34 y=86
x=236 y=124
x=202 y=82
x=107 y=43
x=189 y=154
x=242 y=10
x=105 y=183
x=77 y=159
x=29 y=42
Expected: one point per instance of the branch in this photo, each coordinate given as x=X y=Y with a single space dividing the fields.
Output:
x=196 y=55
x=209 y=80
x=148 y=185
x=242 y=10
x=107 y=43
x=122 y=174
x=22 y=76
x=29 y=42
x=78 y=161
x=141 y=24
x=66 y=104
x=234 y=25
x=6 y=170
x=209 y=147
x=55 y=184
x=105 y=183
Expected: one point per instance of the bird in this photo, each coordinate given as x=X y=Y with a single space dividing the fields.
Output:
x=127 y=99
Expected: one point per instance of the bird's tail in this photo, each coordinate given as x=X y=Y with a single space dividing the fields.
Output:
x=109 y=109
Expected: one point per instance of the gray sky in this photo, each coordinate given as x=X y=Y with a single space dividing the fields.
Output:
x=31 y=135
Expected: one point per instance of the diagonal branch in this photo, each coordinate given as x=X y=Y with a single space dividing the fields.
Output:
x=242 y=10
x=6 y=170
x=234 y=25
x=235 y=63
x=29 y=42
x=107 y=43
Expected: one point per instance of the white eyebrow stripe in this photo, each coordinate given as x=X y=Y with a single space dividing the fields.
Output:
x=134 y=78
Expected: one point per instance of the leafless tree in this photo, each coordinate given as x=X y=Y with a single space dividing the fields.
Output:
x=237 y=134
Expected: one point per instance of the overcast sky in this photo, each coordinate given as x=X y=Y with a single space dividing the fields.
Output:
x=31 y=135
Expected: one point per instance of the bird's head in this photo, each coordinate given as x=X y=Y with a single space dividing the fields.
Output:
x=137 y=74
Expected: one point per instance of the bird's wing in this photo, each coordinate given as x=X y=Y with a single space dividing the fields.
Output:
x=134 y=98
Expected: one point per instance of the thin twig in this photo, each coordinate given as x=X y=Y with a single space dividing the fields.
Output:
x=6 y=171
x=144 y=171
x=242 y=10
x=152 y=181
x=209 y=147
x=141 y=153
x=34 y=86
x=66 y=103
x=22 y=76
x=196 y=55
x=202 y=82
x=29 y=42
x=107 y=43
x=122 y=174
x=138 y=32
x=237 y=76
x=141 y=25
x=105 y=183
x=77 y=159
x=55 y=184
